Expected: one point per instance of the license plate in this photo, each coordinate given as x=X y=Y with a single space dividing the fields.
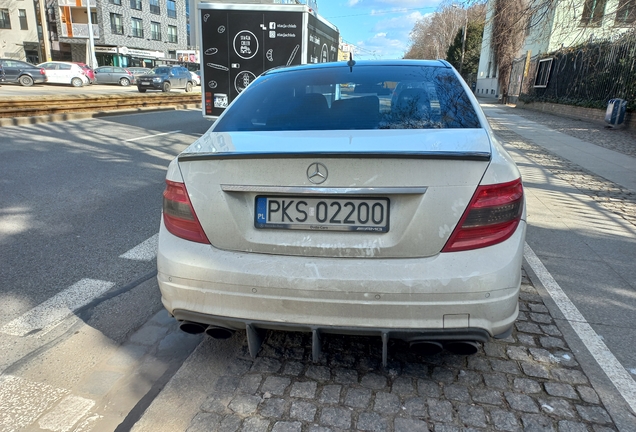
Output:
x=145 y=83
x=322 y=213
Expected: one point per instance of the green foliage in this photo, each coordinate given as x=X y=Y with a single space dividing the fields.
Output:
x=472 y=51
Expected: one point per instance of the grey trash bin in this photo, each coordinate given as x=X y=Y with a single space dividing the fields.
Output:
x=615 y=114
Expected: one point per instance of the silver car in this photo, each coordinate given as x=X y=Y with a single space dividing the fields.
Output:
x=114 y=75
x=321 y=202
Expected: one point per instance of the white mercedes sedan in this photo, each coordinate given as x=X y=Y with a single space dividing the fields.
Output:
x=366 y=198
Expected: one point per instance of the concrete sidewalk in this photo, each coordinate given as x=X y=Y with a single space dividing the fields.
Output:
x=617 y=167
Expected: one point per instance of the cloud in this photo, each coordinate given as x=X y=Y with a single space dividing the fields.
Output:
x=403 y=22
x=352 y=3
x=380 y=46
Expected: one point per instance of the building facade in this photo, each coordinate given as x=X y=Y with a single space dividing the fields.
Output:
x=567 y=23
x=19 y=31
x=125 y=32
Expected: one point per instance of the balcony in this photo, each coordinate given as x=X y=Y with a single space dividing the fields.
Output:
x=79 y=31
x=138 y=32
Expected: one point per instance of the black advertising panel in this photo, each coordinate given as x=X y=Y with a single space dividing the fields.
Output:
x=215 y=60
x=240 y=45
x=322 y=44
x=283 y=39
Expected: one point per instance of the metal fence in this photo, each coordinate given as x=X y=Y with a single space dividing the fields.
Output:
x=588 y=75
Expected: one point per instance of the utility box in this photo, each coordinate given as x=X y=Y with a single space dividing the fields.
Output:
x=615 y=114
x=241 y=41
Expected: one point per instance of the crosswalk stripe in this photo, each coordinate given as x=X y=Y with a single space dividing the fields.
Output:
x=23 y=401
x=145 y=251
x=49 y=313
x=69 y=411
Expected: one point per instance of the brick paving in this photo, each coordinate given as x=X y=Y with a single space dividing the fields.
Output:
x=530 y=381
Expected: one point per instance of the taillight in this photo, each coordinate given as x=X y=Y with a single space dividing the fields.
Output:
x=42 y=72
x=178 y=214
x=492 y=216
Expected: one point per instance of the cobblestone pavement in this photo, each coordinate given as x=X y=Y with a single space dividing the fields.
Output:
x=530 y=381
x=609 y=195
x=620 y=140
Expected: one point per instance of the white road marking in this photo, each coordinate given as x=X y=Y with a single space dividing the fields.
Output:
x=23 y=401
x=69 y=411
x=49 y=313
x=621 y=379
x=151 y=136
x=146 y=251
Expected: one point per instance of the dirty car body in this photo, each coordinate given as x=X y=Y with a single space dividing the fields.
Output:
x=322 y=202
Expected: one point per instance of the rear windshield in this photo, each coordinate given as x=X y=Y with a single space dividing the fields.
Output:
x=364 y=97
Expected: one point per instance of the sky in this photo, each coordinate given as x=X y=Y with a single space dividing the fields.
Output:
x=378 y=28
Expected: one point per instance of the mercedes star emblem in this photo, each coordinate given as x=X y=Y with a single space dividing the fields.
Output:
x=317 y=173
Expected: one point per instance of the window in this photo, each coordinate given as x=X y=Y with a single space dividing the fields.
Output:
x=172 y=34
x=154 y=7
x=137 y=27
x=172 y=9
x=117 y=2
x=625 y=13
x=593 y=12
x=386 y=97
x=23 y=19
x=135 y=4
x=5 y=19
x=543 y=73
x=155 y=31
x=93 y=17
x=116 y=26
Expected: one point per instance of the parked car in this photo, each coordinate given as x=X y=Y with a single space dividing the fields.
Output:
x=315 y=205
x=23 y=73
x=136 y=71
x=58 y=72
x=196 y=77
x=114 y=75
x=165 y=78
x=90 y=74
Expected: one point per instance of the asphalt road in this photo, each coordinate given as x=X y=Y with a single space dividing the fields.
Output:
x=75 y=196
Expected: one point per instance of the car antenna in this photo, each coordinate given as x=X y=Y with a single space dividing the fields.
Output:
x=351 y=62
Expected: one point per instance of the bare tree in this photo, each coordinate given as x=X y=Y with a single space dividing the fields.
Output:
x=433 y=34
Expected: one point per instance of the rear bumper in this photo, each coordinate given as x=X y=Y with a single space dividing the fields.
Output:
x=455 y=293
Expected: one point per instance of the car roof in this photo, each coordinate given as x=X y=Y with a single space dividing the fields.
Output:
x=328 y=65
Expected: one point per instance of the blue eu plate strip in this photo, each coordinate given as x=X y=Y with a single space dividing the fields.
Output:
x=261 y=210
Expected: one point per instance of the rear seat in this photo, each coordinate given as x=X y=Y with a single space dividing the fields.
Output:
x=356 y=113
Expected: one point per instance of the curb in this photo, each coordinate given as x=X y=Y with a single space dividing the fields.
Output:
x=49 y=118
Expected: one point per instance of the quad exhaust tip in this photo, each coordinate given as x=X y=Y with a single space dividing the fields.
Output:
x=427 y=347
x=219 y=332
x=191 y=327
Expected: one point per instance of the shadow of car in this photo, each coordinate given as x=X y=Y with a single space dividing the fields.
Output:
x=114 y=75
x=22 y=73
